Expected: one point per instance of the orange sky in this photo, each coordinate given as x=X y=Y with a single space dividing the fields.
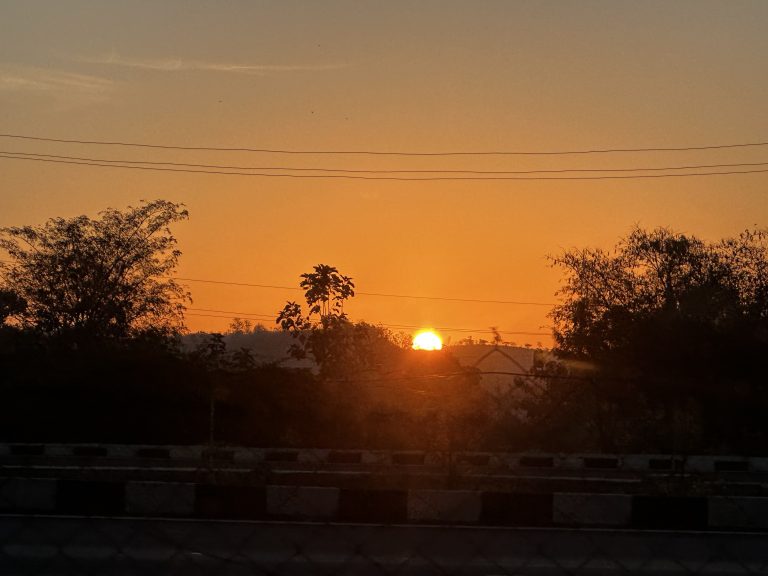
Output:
x=426 y=76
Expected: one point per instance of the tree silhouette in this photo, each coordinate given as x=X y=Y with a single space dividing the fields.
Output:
x=326 y=290
x=87 y=280
x=325 y=293
x=11 y=305
x=672 y=331
x=340 y=347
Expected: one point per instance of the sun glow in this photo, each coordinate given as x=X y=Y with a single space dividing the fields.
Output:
x=427 y=340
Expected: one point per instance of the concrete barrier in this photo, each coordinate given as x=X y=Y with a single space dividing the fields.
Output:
x=302 y=502
x=230 y=502
x=700 y=464
x=592 y=509
x=377 y=506
x=444 y=506
x=95 y=498
x=416 y=505
x=160 y=498
x=745 y=513
x=669 y=512
x=512 y=509
x=28 y=494
x=499 y=462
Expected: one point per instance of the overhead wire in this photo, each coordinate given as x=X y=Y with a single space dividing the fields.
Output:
x=376 y=294
x=345 y=173
x=385 y=152
x=358 y=293
x=397 y=326
x=475 y=178
x=34 y=155
x=230 y=314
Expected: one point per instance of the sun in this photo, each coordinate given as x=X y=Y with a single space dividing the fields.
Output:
x=427 y=340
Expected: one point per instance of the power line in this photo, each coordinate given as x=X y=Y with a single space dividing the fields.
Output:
x=246 y=316
x=383 y=152
x=447 y=299
x=31 y=155
x=467 y=330
x=376 y=294
x=245 y=284
x=253 y=314
x=446 y=375
x=216 y=313
x=390 y=178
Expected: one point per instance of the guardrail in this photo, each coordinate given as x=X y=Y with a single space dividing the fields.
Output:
x=697 y=464
x=415 y=506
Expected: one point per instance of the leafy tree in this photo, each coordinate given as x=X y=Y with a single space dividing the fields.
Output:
x=11 y=305
x=243 y=360
x=340 y=347
x=656 y=280
x=211 y=353
x=676 y=326
x=240 y=326
x=107 y=278
x=326 y=291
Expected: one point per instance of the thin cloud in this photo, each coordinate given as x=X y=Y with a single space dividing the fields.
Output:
x=179 y=65
x=45 y=80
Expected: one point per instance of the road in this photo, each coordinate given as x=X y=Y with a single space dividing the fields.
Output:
x=48 y=545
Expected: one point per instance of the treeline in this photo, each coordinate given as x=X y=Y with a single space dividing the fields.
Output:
x=660 y=347
x=152 y=393
x=144 y=392
x=669 y=334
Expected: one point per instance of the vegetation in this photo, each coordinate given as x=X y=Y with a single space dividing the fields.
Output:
x=660 y=348
x=667 y=334
x=84 y=281
x=340 y=348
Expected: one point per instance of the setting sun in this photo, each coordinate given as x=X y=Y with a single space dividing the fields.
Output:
x=427 y=340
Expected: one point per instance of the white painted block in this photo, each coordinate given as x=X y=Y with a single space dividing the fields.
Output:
x=700 y=464
x=634 y=462
x=58 y=450
x=248 y=455
x=303 y=502
x=444 y=505
x=123 y=451
x=436 y=458
x=592 y=509
x=570 y=461
x=738 y=512
x=160 y=498
x=508 y=460
x=376 y=457
x=186 y=452
x=33 y=494
x=315 y=456
x=496 y=461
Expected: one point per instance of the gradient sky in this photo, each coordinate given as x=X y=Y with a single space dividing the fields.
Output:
x=416 y=76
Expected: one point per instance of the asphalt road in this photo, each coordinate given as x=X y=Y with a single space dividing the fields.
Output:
x=47 y=545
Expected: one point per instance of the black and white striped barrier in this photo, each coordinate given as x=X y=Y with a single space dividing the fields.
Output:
x=244 y=456
x=419 y=506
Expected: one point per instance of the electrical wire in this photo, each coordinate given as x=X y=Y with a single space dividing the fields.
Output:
x=251 y=314
x=384 y=152
x=406 y=326
x=31 y=155
x=376 y=294
x=390 y=178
